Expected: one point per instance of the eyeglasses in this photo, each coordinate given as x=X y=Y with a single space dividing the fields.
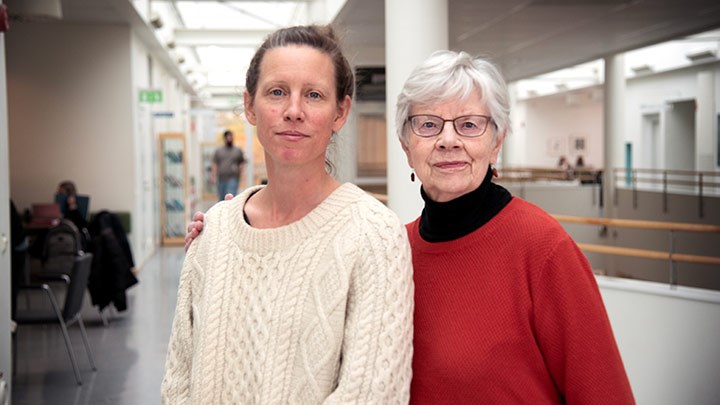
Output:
x=470 y=126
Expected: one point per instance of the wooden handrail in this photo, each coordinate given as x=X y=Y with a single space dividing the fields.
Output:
x=649 y=254
x=633 y=223
x=673 y=172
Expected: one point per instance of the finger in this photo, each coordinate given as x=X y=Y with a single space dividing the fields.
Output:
x=189 y=235
x=189 y=238
x=228 y=197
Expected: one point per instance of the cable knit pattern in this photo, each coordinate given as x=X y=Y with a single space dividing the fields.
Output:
x=318 y=311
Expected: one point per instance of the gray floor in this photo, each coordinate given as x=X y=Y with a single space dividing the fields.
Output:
x=129 y=352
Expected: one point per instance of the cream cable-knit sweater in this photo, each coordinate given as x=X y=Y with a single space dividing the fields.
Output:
x=318 y=311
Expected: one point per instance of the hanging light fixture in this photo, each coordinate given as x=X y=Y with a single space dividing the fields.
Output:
x=35 y=10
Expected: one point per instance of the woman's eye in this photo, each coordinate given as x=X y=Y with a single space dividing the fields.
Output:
x=314 y=94
x=469 y=125
x=428 y=124
x=276 y=92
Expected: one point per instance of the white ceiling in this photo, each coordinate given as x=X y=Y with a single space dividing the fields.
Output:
x=215 y=39
x=531 y=37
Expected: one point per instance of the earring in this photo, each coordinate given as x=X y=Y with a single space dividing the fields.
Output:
x=494 y=170
x=412 y=177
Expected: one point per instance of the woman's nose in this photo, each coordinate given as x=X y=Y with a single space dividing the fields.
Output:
x=294 y=109
x=448 y=138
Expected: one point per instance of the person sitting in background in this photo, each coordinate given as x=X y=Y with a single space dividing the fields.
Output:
x=71 y=209
x=564 y=167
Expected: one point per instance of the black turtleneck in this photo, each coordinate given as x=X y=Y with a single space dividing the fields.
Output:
x=442 y=222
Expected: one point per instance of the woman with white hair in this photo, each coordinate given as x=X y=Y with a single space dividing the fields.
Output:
x=507 y=309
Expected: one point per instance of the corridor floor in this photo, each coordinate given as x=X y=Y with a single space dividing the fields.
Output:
x=129 y=352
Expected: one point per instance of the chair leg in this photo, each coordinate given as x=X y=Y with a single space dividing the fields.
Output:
x=103 y=316
x=70 y=351
x=86 y=342
x=65 y=334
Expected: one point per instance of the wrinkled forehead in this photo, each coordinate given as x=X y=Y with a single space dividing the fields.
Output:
x=472 y=98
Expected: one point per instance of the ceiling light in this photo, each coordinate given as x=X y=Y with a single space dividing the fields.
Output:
x=642 y=69
x=35 y=10
x=701 y=55
x=156 y=21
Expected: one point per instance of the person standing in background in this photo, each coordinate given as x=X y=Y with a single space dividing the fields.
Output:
x=227 y=166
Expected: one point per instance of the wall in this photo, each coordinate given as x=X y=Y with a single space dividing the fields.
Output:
x=6 y=246
x=536 y=121
x=170 y=115
x=558 y=120
x=69 y=113
x=668 y=340
x=659 y=94
x=74 y=113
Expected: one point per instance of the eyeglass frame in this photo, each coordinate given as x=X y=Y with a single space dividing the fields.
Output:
x=442 y=128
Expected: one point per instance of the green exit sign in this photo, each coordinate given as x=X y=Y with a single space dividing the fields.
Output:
x=150 y=96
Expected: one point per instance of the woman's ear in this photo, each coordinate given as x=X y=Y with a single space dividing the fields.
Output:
x=343 y=111
x=499 y=139
x=249 y=108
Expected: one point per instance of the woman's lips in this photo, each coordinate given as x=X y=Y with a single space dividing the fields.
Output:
x=450 y=165
x=292 y=135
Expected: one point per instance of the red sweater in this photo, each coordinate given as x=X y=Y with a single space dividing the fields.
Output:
x=511 y=314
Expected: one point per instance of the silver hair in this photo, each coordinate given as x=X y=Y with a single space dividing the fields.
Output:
x=447 y=76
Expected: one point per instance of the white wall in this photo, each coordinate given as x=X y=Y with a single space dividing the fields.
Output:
x=538 y=120
x=74 y=113
x=69 y=88
x=6 y=246
x=657 y=94
x=175 y=107
x=669 y=340
x=559 y=118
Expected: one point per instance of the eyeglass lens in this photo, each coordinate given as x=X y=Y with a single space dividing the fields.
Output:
x=431 y=125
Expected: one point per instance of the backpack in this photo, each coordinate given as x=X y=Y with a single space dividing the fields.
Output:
x=63 y=244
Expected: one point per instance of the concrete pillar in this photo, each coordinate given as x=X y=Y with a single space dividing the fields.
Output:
x=413 y=30
x=343 y=153
x=705 y=121
x=5 y=237
x=614 y=125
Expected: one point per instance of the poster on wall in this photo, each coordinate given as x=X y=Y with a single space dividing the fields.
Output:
x=577 y=145
x=555 y=146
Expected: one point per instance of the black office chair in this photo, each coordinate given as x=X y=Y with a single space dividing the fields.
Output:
x=70 y=313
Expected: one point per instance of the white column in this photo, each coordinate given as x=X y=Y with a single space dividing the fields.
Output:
x=316 y=12
x=249 y=153
x=5 y=237
x=344 y=153
x=705 y=142
x=614 y=123
x=413 y=30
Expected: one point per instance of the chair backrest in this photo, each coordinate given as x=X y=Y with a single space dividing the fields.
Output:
x=78 y=284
